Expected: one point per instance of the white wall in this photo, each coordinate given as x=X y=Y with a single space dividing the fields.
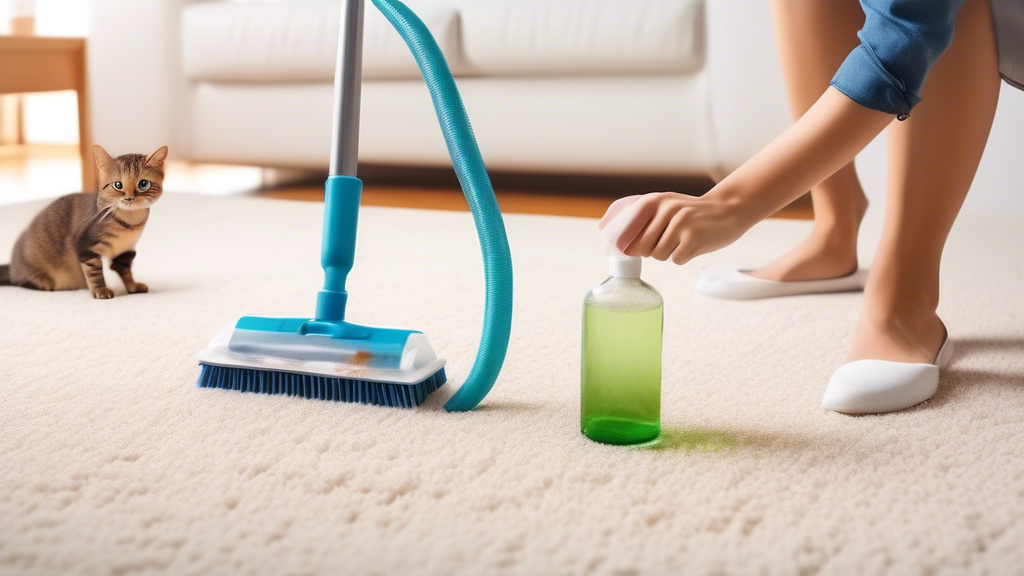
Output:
x=62 y=17
x=999 y=186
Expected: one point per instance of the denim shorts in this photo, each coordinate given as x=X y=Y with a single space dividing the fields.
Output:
x=902 y=39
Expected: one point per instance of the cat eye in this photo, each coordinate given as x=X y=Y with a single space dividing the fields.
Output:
x=118 y=185
x=143 y=185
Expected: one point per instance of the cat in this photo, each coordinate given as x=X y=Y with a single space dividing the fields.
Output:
x=63 y=247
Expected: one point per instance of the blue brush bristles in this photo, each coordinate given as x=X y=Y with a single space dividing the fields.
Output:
x=319 y=387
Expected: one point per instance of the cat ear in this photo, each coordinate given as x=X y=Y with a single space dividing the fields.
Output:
x=158 y=157
x=101 y=157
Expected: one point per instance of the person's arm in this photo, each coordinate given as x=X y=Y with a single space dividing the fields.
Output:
x=826 y=138
x=880 y=79
x=679 y=227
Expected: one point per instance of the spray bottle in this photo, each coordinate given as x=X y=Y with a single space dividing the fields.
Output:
x=621 y=380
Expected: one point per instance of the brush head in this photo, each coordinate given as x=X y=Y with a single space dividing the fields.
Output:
x=354 y=352
x=320 y=387
x=326 y=360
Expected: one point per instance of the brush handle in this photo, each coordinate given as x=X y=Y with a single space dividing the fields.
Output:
x=338 y=248
x=348 y=76
x=343 y=189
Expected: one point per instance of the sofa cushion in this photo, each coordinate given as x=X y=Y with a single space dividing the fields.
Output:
x=296 y=41
x=525 y=37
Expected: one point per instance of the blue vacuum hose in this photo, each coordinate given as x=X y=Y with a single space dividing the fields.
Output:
x=476 y=185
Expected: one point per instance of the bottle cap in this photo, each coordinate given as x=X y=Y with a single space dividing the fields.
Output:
x=624 y=266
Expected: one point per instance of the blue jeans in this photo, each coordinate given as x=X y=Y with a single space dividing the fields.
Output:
x=899 y=43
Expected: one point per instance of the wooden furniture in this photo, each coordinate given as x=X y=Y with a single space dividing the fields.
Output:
x=41 y=64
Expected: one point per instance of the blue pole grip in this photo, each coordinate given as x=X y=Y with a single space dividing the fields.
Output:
x=338 y=249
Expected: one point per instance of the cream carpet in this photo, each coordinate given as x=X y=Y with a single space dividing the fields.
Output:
x=114 y=462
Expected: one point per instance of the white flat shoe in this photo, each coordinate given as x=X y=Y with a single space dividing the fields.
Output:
x=732 y=284
x=876 y=386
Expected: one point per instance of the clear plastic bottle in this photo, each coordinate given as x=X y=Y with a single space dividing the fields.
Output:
x=621 y=380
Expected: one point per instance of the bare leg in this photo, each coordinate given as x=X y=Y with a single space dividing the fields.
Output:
x=814 y=37
x=933 y=157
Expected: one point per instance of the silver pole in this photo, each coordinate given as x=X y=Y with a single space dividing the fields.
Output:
x=348 y=78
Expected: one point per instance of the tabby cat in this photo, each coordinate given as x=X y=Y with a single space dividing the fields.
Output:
x=63 y=247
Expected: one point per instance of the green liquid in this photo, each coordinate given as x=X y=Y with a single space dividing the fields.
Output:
x=621 y=396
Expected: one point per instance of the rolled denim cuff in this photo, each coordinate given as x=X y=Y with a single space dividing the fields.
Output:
x=865 y=81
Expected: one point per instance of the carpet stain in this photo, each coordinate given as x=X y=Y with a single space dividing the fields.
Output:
x=704 y=440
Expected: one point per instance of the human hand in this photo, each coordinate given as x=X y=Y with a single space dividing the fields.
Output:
x=667 y=225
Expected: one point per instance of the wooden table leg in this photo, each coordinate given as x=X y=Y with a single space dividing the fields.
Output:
x=89 y=183
x=43 y=64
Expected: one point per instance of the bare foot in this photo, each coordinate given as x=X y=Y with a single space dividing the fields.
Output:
x=897 y=337
x=830 y=251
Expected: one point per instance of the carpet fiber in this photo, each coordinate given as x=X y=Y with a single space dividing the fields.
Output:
x=114 y=462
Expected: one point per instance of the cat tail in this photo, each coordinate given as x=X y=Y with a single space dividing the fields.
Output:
x=5 y=275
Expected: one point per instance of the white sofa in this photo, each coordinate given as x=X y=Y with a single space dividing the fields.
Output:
x=667 y=87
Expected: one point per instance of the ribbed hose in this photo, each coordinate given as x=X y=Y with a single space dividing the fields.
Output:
x=476 y=185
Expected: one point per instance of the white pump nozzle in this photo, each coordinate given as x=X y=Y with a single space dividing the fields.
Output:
x=624 y=266
x=619 y=264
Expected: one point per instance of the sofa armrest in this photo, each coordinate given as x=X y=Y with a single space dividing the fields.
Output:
x=746 y=92
x=136 y=84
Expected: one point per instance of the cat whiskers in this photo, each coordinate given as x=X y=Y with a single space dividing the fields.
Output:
x=107 y=211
